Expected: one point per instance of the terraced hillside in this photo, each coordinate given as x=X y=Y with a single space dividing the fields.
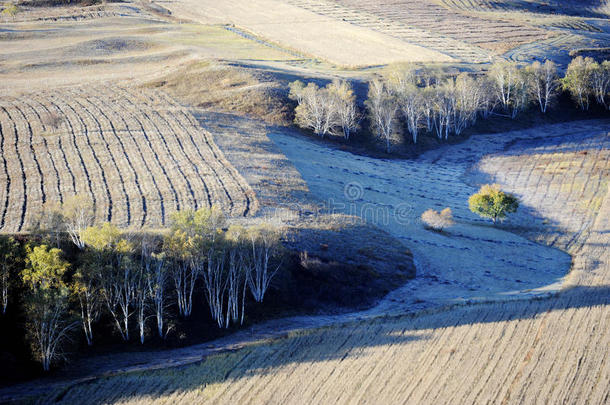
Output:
x=549 y=350
x=136 y=154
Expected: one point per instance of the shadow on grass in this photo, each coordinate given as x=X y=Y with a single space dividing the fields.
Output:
x=335 y=343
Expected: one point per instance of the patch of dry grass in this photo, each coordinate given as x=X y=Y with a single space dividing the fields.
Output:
x=219 y=87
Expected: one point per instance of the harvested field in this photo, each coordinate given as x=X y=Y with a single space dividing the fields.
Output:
x=136 y=154
x=307 y=32
x=569 y=7
x=450 y=27
x=553 y=349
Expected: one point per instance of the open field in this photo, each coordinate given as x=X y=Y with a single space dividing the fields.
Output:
x=146 y=108
x=298 y=28
x=428 y=30
x=136 y=155
x=549 y=349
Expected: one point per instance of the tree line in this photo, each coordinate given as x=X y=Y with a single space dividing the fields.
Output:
x=427 y=99
x=135 y=278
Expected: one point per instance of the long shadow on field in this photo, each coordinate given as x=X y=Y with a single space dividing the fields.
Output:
x=330 y=345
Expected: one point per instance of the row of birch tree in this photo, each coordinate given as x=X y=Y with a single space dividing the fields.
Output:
x=429 y=100
x=142 y=281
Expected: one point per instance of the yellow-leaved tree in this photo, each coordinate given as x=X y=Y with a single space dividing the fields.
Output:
x=47 y=311
x=492 y=202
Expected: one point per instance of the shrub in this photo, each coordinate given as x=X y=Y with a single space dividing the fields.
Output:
x=491 y=202
x=437 y=220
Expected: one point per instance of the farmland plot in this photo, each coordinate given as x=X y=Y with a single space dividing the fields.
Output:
x=553 y=350
x=467 y=38
x=135 y=154
x=308 y=32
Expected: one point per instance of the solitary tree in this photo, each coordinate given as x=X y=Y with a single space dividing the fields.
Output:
x=46 y=306
x=491 y=202
x=9 y=257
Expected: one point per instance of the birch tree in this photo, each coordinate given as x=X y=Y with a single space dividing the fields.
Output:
x=488 y=98
x=48 y=317
x=505 y=77
x=116 y=273
x=346 y=115
x=521 y=94
x=78 y=213
x=141 y=298
x=410 y=101
x=443 y=109
x=191 y=239
x=237 y=275
x=469 y=99
x=427 y=106
x=578 y=80
x=85 y=288
x=544 y=83
x=400 y=76
x=264 y=241
x=382 y=108
x=177 y=248
x=157 y=277
x=600 y=79
x=215 y=283
x=9 y=258
x=315 y=110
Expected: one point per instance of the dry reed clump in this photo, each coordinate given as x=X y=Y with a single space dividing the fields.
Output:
x=436 y=220
x=228 y=89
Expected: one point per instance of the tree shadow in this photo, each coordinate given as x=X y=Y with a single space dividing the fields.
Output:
x=330 y=344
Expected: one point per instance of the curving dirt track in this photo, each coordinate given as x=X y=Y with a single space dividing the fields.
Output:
x=542 y=350
x=135 y=153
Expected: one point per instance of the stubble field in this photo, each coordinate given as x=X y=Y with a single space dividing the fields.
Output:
x=136 y=154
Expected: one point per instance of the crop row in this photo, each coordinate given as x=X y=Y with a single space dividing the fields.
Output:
x=461 y=36
x=136 y=154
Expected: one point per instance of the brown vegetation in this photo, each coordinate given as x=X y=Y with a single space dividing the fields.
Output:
x=227 y=88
